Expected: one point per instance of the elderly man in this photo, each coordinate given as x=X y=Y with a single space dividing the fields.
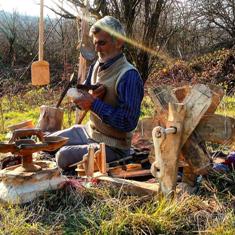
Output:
x=113 y=117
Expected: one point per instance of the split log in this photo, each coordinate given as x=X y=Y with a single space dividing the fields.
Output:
x=197 y=101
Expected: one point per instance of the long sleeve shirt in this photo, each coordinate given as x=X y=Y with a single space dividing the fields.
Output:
x=125 y=115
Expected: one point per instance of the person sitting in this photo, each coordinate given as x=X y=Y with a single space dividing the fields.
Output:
x=114 y=116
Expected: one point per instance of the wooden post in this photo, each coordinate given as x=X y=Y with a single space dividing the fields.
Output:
x=167 y=148
x=103 y=164
x=100 y=159
x=90 y=161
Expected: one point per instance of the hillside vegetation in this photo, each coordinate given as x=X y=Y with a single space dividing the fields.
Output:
x=213 y=68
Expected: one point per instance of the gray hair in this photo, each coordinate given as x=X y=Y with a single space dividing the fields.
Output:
x=110 y=25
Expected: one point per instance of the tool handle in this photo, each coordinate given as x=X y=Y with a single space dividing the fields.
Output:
x=87 y=87
x=82 y=116
x=41 y=32
x=65 y=90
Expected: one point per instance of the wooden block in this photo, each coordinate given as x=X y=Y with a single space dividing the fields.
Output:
x=182 y=92
x=197 y=103
x=51 y=118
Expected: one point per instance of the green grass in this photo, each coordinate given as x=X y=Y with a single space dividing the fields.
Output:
x=108 y=210
x=16 y=109
x=227 y=106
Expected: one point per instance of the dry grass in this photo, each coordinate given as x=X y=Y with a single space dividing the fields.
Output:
x=105 y=210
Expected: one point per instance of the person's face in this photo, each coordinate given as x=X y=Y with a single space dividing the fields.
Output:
x=105 y=46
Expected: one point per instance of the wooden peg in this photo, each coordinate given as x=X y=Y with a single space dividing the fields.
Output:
x=90 y=161
x=100 y=158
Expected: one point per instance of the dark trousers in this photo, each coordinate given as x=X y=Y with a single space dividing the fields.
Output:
x=77 y=147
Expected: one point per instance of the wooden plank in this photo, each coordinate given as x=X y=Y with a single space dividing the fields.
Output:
x=131 y=186
x=217 y=96
x=131 y=174
x=197 y=103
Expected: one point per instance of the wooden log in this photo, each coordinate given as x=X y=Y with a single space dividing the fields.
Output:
x=217 y=129
x=167 y=148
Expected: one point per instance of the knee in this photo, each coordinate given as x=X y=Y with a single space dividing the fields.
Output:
x=61 y=159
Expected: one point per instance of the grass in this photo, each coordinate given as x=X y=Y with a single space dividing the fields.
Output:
x=227 y=106
x=16 y=109
x=108 y=210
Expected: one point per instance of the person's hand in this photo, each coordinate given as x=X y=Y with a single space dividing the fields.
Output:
x=99 y=92
x=84 y=101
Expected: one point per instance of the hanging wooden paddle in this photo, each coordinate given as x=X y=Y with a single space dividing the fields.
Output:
x=40 y=72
